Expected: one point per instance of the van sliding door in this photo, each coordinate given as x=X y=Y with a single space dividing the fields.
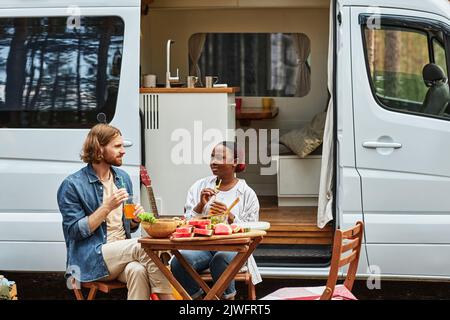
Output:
x=402 y=139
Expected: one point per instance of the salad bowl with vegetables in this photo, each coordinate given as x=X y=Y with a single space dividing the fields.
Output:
x=157 y=228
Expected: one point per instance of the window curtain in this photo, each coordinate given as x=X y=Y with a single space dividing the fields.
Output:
x=325 y=205
x=303 y=78
x=196 y=44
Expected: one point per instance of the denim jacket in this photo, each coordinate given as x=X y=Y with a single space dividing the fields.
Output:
x=79 y=195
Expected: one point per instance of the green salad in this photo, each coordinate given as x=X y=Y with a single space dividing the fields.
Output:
x=218 y=219
x=147 y=217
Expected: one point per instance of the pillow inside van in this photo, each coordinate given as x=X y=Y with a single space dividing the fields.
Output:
x=305 y=140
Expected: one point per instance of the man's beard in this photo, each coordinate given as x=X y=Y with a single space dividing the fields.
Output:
x=113 y=161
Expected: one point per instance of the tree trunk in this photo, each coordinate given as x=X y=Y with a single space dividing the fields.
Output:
x=391 y=62
x=33 y=45
x=66 y=91
x=102 y=65
x=370 y=43
x=41 y=74
x=15 y=66
x=78 y=74
x=55 y=90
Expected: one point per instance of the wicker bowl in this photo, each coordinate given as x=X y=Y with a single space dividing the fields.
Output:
x=162 y=228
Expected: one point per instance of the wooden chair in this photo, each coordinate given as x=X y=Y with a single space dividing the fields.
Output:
x=94 y=286
x=344 y=241
x=243 y=275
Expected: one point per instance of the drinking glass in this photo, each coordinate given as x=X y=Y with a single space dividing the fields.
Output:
x=129 y=206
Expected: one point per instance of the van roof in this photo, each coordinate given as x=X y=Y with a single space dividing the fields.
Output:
x=440 y=7
x=16 y=4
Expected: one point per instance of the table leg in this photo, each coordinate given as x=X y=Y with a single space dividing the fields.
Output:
x=192 y=272
x=234 y=267
x=155 y=258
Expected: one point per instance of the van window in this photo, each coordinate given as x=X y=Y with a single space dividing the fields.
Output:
x=261 y=64
x=396 y=57
x=58 y=74
x=439 y=55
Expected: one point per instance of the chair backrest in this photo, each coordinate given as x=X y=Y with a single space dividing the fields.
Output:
x=436 y=99
x=438 y=94
x=344 y=241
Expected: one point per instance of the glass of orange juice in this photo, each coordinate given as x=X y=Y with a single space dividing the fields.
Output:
x=129 y=207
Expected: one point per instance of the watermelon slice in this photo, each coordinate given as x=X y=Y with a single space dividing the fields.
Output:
x=203 y=232
x=235 y=228
x=206 y=226
x=182 y=235
x=222 y=229
x=184 y=229
x=197 y=223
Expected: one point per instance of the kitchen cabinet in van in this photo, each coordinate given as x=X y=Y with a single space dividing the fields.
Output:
x=298 y=180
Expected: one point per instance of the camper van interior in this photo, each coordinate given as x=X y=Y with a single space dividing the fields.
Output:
x=273 y=58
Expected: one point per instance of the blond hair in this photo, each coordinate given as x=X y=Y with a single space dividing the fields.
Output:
x=99 y=136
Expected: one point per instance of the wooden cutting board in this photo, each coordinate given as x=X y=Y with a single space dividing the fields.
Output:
x=251 y=233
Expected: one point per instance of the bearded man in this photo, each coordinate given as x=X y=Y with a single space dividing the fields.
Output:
x=97 y=234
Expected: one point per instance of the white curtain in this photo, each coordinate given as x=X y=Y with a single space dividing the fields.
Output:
x=303 y=81
x=196 y=44
x=325 y=209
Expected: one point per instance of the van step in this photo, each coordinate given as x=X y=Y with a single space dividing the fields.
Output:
x=293 y=225
x=280 y=255
x=298 y=233
x=296 y=241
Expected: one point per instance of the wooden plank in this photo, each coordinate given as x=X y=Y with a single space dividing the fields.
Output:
x=303 y=213
x=189 y=90
x=256 y=113
x=348 y=259
x=304 y=209
x=198 y=246
x=284 y=240
x=298 y=228
x=293 y=225
x=251 y=233
x=350 y=245
x=166 y=241
x=300 y=234
x=242 y=276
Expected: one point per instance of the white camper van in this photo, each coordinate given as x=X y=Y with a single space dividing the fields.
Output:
x=372 y=73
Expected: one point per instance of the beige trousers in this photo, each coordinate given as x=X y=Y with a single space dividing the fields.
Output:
x=128 y=263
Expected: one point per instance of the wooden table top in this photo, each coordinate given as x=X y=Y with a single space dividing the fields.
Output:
x=203 y=243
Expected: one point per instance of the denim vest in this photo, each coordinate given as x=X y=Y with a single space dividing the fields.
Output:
x=79 y=195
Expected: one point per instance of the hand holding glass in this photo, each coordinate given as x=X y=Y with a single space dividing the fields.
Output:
x=130 y=206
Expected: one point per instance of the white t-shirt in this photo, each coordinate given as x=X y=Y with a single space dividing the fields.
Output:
x=114 y=224
x=225 y=197
x=246 y=210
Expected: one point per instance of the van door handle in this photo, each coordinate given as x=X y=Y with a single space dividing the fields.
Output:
x=376 y=144
x=127 y=143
